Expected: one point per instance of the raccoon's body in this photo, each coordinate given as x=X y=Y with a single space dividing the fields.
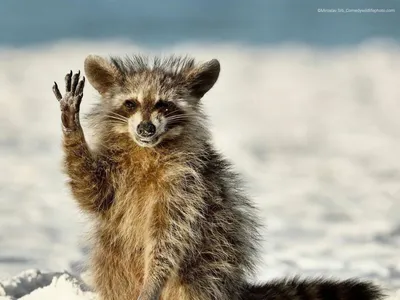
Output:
x=171 y=219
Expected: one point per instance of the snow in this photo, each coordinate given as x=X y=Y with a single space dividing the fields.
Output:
x=315 y=132
x=32 y=284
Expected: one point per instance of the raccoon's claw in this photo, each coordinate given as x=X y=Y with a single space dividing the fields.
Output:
x=56 y=91
x=70 y=103
x=79 y=88
x=68 y=82
x=75 y=80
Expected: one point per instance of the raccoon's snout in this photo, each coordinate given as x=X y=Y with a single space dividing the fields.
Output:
x=146 y=129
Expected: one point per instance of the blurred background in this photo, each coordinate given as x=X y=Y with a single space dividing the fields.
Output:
x=306 y=107
x=158 y=23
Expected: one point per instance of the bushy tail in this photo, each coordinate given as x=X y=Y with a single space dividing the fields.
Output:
x=315 y=289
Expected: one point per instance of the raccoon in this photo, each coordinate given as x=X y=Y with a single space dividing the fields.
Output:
x=171 y=218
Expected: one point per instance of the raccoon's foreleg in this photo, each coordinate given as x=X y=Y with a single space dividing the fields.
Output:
x=88 y=174
x=174 y=232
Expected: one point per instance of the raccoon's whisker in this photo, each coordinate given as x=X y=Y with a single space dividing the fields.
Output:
x=181 y=116
x=185 y=114
x=117 y=115
x=176 y=118
x=171 y=119
x=117 y=118
x=114 y=122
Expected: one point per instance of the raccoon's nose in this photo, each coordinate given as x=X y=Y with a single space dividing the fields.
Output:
x=146 y=129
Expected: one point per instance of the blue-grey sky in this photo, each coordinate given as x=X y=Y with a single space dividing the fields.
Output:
x=167 y=22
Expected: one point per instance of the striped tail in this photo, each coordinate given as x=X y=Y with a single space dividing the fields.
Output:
x=314 y=289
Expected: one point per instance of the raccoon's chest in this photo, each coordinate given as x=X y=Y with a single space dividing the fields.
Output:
x=140 y=191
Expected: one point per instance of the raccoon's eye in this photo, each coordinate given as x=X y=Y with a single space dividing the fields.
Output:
x=130 y=104
x=164 y=105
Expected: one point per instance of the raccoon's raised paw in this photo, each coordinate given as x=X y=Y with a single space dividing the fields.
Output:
x=71 y=101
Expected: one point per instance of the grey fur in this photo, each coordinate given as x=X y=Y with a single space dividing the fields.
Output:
x=171 y=218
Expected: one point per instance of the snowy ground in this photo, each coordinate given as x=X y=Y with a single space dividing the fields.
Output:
x=316 y=133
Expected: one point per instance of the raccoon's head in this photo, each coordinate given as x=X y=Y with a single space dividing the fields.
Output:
x=151 y=101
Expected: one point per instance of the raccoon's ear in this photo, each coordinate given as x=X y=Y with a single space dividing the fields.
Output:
x=101 y=74
x=203 y=78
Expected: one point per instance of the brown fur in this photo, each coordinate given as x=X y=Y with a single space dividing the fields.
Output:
x=170 y=219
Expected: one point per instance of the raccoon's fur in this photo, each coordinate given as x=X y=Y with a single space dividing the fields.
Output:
x=172 y=221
